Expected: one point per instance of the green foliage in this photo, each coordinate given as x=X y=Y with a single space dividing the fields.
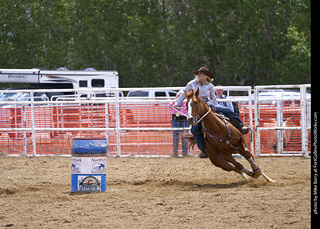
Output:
x=159 y=42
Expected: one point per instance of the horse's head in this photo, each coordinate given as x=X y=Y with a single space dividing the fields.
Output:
x=194 y=106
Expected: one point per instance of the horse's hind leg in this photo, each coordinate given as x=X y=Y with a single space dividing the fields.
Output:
x=221 y=162
x=240 y=167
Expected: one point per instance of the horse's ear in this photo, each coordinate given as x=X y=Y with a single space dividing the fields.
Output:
x=189 y=93
x=197 y=92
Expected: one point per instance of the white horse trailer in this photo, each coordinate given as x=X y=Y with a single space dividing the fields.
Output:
x=78 y=79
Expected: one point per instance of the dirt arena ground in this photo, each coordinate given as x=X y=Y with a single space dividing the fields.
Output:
x=155 y=193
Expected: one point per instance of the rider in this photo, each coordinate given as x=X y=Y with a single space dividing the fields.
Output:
x=206 y=93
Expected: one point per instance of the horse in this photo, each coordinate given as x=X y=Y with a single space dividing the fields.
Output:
x=222 y=138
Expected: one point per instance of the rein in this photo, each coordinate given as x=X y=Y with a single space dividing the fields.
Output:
x=204 y=116
x=178 y=110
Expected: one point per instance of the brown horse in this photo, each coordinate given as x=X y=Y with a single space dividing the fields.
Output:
x=222 y=139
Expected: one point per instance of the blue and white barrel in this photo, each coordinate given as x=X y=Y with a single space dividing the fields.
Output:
x=88 y=165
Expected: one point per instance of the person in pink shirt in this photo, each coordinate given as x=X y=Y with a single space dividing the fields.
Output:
x=179 y=120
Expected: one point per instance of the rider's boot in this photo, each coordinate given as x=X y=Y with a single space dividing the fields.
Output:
x=245 y=129
x=241 y=127
x=203 y=153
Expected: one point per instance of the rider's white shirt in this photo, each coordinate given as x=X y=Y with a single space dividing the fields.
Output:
x=206 y=92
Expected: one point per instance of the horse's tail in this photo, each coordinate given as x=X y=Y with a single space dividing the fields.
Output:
x=190 y=139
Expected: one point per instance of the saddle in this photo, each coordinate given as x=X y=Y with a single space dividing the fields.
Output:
x=233 y=122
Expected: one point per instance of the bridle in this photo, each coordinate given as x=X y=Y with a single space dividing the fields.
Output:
x=197 y=119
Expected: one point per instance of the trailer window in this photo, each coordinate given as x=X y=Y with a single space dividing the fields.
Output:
x=172 y=94
x=160 y=94
x=83 y=83
x=97 y=83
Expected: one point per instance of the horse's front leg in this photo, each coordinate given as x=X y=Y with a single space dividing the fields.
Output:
x=243 y=150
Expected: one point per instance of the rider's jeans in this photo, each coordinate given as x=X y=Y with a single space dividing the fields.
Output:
x=228 y=113
x=196 y=131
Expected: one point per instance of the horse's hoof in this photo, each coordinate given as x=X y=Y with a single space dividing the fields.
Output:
x=257 y=173
x=268 y=178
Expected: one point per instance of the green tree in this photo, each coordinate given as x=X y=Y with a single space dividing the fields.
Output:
x=159 y=42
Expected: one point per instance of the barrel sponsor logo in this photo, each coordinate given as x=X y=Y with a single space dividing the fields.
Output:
x=88 y=165
x=89 y=183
